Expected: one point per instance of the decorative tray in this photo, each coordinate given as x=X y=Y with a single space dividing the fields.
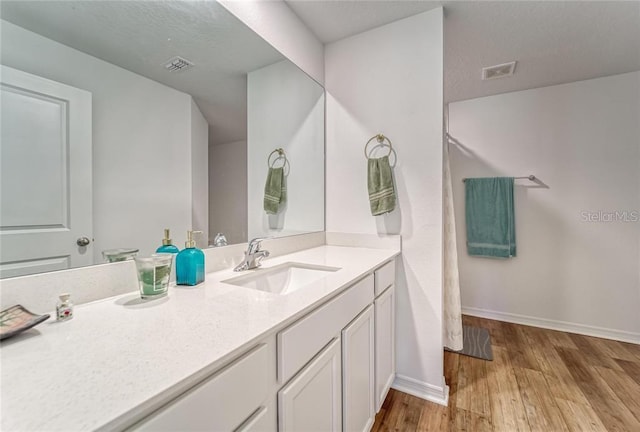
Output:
x=17 y=319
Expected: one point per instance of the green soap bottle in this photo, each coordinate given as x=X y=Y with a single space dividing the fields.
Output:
x=167 y=246
x=190 y=262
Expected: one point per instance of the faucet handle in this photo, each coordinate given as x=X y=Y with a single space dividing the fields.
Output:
x=254 y=244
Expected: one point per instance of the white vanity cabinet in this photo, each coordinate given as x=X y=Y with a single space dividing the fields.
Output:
x=330 y=370
x=385 y=352
x=358 y=373
x=362 y=317
x=318 y=358
x=312 y=400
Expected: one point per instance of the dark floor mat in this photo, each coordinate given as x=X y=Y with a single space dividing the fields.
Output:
x=476 y=343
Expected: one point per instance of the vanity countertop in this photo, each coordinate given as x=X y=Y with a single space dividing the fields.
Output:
x=121 y=357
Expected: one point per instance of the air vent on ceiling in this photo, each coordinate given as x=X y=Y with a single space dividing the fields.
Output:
x=499 y=71
x=178 y=64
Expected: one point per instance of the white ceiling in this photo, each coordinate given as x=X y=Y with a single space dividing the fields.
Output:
x=554 y=42
x=141 y=36
x=332 y=20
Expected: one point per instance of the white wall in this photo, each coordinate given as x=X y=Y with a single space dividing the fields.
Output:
x=199 y=175
x=141 y=142
x=583 y=141
x=228 y=191
x=389 y=80
x=281 y=27
x=285 y=110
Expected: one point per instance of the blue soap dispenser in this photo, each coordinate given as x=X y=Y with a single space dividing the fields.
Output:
x=190 y=263
x=167 y=246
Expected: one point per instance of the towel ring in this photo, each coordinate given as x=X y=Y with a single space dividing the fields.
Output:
x=281 y=155
x=381 y=139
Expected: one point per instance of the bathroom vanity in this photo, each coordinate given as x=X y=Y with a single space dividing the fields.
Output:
x=217 y=356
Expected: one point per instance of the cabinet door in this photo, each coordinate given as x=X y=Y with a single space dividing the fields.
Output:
x=385 y=344
x=358 y=373
x=312 y=401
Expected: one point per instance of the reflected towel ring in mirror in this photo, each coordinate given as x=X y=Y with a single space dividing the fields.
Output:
x=381 y=139
x=280 y=155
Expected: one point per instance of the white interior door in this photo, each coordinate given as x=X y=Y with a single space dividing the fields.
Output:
x=45 y=189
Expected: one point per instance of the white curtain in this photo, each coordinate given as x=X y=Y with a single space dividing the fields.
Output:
x=452 y=305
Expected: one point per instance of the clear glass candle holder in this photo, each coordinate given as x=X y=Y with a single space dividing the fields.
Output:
x=153 y=274
x=117 y=255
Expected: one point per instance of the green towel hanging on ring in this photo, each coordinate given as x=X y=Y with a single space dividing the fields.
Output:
x=275 y=191
x=382 y=193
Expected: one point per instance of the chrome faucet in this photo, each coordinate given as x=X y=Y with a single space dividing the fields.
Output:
x=252 y=256
x=220 y=240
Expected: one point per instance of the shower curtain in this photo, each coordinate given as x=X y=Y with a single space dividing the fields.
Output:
x=452 y=305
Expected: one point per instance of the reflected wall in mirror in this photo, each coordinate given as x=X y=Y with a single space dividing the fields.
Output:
x=120 y=119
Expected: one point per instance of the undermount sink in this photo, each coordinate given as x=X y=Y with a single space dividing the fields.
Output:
x=284 y=278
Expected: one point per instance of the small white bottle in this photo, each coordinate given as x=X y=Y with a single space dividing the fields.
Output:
x=64 y=308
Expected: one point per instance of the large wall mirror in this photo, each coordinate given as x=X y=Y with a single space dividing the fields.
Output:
x=121 y=119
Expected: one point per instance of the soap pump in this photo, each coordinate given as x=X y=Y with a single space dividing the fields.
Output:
x=167 y=246
x=190 y=262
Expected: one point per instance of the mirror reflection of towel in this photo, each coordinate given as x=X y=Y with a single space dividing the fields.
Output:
x=382 y=194
x=275 y=192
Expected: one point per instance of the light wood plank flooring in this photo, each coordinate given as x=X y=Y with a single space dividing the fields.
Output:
x=539 y=380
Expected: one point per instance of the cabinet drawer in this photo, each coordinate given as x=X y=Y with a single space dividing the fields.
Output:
x=385 y=276
x=219 y=403
x=302 y=340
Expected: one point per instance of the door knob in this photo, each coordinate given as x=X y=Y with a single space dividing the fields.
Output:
x=83 y=241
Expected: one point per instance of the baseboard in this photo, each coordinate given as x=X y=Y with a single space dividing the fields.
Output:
x=601 y=332
x=423 y=390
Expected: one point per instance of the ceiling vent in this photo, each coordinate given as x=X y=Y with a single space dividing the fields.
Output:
x=178 y=64
x=499 y=71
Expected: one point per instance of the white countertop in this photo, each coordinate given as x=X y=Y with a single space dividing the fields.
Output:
x=121 y=357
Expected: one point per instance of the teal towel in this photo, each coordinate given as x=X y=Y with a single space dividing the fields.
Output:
x=275 y=191
x=382 y=194
x=490 y=216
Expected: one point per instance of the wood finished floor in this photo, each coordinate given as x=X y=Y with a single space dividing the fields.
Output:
x=539 y=380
